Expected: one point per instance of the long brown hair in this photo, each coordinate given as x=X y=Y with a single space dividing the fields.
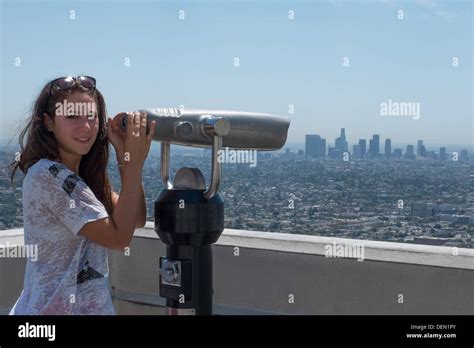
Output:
x=40 y=143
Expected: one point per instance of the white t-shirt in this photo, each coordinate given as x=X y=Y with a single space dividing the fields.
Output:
x=70 y=274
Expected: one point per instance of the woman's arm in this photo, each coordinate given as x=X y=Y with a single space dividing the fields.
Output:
x=141 y=218
x=116 y=232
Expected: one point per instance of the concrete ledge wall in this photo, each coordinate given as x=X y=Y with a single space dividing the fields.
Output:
x=272 y=266
x=12 y=270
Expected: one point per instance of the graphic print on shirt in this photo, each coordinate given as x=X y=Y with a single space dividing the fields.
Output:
x=69 y=183
x=55 y=168
x=88 y=273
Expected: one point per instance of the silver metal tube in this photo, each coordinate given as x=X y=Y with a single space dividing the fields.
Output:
x=239 y=130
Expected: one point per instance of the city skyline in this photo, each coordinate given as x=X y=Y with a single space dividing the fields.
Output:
x=317 y=146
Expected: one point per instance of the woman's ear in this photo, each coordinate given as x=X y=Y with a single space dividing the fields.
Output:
x=48 y=123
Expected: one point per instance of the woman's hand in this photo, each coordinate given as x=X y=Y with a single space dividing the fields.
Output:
x=137 y=141
x=117 y=136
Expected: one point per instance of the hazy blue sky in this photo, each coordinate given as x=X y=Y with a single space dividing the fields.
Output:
x=282 y=61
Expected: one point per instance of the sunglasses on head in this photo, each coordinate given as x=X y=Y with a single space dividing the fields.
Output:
x=66 y=83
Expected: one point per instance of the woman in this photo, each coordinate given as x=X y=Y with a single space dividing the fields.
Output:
x=70 y=211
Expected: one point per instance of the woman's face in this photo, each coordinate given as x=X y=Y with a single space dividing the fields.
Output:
x=76 y=123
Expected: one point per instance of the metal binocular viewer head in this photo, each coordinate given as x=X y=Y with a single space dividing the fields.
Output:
x=212 y=129
x=188 y=217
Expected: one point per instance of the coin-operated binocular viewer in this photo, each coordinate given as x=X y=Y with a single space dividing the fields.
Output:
x=189 y=217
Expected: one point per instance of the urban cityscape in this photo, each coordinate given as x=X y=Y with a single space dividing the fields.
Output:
x=315 y=147
x=408 y=195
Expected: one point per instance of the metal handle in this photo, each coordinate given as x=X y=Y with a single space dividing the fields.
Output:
x=216 y=168
x=165 y=165
x=215 y=127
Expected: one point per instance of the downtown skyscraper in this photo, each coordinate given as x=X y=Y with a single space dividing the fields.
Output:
x=315 y=146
